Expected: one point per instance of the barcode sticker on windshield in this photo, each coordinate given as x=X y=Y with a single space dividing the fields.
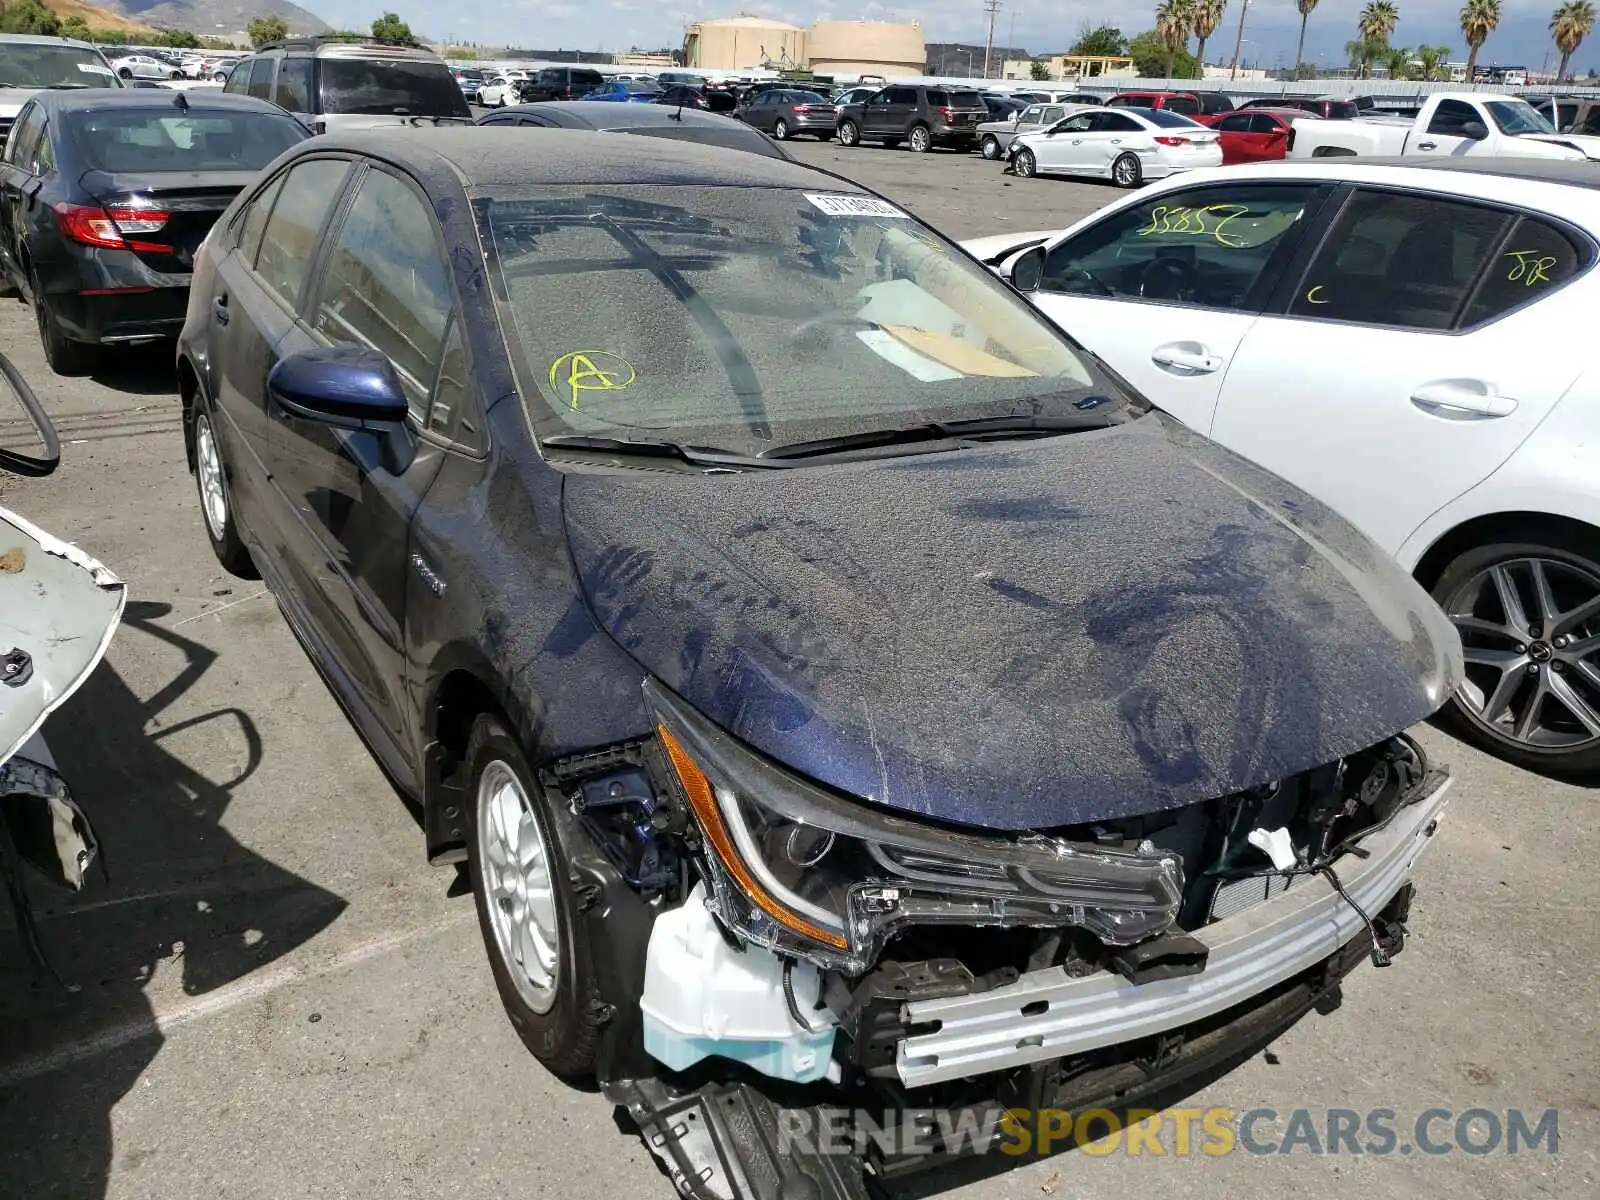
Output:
x=836 y=205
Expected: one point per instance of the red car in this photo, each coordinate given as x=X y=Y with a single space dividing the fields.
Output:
x=1185 y=104
x=1256 y=134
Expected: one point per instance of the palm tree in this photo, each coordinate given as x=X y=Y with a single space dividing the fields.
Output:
x=1569 y=25
x=1363 y=53
x=1478 y=19
x=1172 y=28
x=1377 y=21
x=1305 y=15
x=1432 y=60
x=1399 y=63
x=1204 y=17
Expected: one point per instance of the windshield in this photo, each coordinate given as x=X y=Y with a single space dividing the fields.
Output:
x=373 y=87
x=134 y=140
x=1517 y=116
x=744 y=318
x=53 y=66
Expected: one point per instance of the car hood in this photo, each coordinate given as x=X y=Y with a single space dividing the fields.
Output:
x=1026 y=635
x=1586 y=144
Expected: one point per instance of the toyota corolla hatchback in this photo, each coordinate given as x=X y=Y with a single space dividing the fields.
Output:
x=828 y=673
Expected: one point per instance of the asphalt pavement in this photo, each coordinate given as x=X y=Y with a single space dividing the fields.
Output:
x=277 y=997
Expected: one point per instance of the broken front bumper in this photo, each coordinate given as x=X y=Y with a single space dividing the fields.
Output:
x=1047 y=1015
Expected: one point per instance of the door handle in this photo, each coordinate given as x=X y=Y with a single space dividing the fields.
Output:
x=1116 y=141
x=219 y=309
x=1461 y=399
x=1189 y=358
x=1427 y=145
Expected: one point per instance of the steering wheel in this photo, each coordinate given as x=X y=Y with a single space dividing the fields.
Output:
x=1081 y=275
x=1167 y=279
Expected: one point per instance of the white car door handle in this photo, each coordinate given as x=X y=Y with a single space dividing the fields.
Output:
x=1454 y=399
x=1189 y=359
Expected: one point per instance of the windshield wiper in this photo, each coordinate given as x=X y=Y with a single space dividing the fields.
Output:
x=958 y=432
x=700 y=456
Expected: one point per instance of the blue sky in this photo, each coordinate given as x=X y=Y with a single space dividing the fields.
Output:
x=1271 y=26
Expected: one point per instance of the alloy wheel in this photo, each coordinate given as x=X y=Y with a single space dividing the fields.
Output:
x=1025 y=164
x=1530 y=632
x=213 y=496
x=519 y=887
x=849 y=135
x=920 y=141
x=1125 y=171
x=991 y=148
x=780 y=130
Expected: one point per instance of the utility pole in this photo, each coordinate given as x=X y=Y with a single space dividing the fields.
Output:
x=1238 y=42
x=992 y=7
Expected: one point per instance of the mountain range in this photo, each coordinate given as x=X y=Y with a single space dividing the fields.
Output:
x=215 y=18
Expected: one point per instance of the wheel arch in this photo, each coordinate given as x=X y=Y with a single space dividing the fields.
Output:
x=188 y=394
x=1489 y=527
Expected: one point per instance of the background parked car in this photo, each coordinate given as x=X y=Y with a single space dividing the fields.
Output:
x=686 y=96
x=624 y=91
x=1255 y=134
x=1415 y=291
x=561 y=83
x=333 y=84
x=783 y=112
x=104 y=198
x=498 y=91
x=1188 y=104
x=921 y=117
x=143 y=66
x=1126 y=146
x=856 y=95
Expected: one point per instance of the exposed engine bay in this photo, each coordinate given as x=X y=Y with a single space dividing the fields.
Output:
x=811 y=947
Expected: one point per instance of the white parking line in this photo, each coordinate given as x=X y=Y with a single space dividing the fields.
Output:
x=231 y=996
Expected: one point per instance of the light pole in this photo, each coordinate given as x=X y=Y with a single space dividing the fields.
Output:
x=1238 y=42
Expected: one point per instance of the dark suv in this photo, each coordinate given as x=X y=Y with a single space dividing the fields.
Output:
x=562 y=83
x=921 y=117
x=328 y=83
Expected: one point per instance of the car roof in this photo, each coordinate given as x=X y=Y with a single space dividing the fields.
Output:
x=100 y=99
x=586 y=114
x=354 y=50
x=490 y=156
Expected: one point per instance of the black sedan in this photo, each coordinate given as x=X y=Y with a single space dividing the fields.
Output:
x=105 y=196
x=683 y=95
x=650 y=120
x=780 y=618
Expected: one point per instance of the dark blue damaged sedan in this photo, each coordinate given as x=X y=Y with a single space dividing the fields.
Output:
x=832 y=678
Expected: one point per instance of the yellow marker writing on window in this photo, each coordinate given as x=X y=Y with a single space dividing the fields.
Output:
x=590 y=371
x=1529 y=267
x=1311 y=296
x=1208 y=222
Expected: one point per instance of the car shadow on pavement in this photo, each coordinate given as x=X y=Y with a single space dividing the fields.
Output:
x=183 y=896
x=147 y=370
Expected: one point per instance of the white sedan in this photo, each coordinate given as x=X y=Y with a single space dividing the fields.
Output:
x=500 y=91
x=1410 y=345
x=1124 y=145
x=143 y=66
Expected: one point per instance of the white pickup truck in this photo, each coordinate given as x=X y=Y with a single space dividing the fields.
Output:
x=1480 y=124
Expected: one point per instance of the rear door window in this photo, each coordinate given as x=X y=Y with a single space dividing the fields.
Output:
x=1399 y=259
x=260 y=85
x=290 y=237
x=1241 y=123
x=938 y=99
x=1216 y=247
x=255 y=220
x=387 y=284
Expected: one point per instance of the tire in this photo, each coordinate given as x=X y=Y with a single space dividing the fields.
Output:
x=1026 y=165
x=216 y=500
x=990 y=147
x=1126 y=171
x=1560 y=743
x=556 y=1024
x=176 y=75
x=780 y=130
x=65 y=356
x=849 y=133
x=919 y=140
x=126 y=72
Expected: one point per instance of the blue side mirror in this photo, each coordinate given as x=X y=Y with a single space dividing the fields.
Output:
x=348 y=386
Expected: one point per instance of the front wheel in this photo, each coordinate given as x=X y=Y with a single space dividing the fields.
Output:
x=1126 y=172
x=919 y=140
x=780 y=130
x=849 y=133
x=1026 y=165
x=126 y=73
x=538 y=947
x=1528 y=612
x=991 y=147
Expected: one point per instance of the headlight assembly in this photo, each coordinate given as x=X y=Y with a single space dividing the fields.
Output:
x=799 y=868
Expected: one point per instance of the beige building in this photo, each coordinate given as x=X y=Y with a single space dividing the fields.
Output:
x=867 y=48
x=1070 y=68
x=743 y=44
